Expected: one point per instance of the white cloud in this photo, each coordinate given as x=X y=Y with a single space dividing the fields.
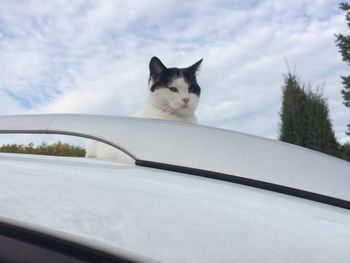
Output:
x=92 y=56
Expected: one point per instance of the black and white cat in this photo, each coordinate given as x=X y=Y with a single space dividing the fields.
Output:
x=173 y=92
x=173 y=95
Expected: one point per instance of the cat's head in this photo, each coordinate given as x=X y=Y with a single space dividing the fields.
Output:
x=174 y=90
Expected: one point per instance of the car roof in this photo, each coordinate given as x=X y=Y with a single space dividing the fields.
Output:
x=169 y=216
x=167 y=144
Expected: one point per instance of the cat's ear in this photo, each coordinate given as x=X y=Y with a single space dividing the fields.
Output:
x=194 y=68
x=156 y=66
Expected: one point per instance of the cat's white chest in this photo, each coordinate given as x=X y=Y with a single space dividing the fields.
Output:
x=150 y=111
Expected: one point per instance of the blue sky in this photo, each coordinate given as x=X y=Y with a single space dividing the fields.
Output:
x=92 y=56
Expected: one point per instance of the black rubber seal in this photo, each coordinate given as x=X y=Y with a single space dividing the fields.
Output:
x=248 y=182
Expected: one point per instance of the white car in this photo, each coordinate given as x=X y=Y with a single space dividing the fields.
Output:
x=193 y=194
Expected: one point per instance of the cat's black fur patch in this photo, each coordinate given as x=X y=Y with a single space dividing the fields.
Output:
x=162 y=76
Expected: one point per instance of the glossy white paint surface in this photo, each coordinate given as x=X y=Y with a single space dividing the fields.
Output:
x=169 y=216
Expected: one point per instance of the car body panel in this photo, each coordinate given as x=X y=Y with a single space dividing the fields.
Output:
x=174 y=216
x=169 y=216
x=200 y=147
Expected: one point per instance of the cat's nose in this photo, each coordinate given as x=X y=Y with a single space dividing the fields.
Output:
x=186 y=99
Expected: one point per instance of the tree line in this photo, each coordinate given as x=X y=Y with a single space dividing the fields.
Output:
x=57 y=149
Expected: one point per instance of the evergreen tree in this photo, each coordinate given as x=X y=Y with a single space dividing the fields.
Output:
x=345 y=151
x=343 y=42
x=305 y=118
x=293 y=104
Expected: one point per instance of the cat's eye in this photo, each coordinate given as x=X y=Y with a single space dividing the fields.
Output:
x=173 y=89
x=191 y=89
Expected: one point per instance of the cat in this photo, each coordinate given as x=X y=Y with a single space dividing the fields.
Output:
x=173 y=95
x=173 y=92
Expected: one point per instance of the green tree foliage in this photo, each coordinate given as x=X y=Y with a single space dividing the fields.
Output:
x=343 y=43
x=57 y=149
x=345 y=151
x=305 y=118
